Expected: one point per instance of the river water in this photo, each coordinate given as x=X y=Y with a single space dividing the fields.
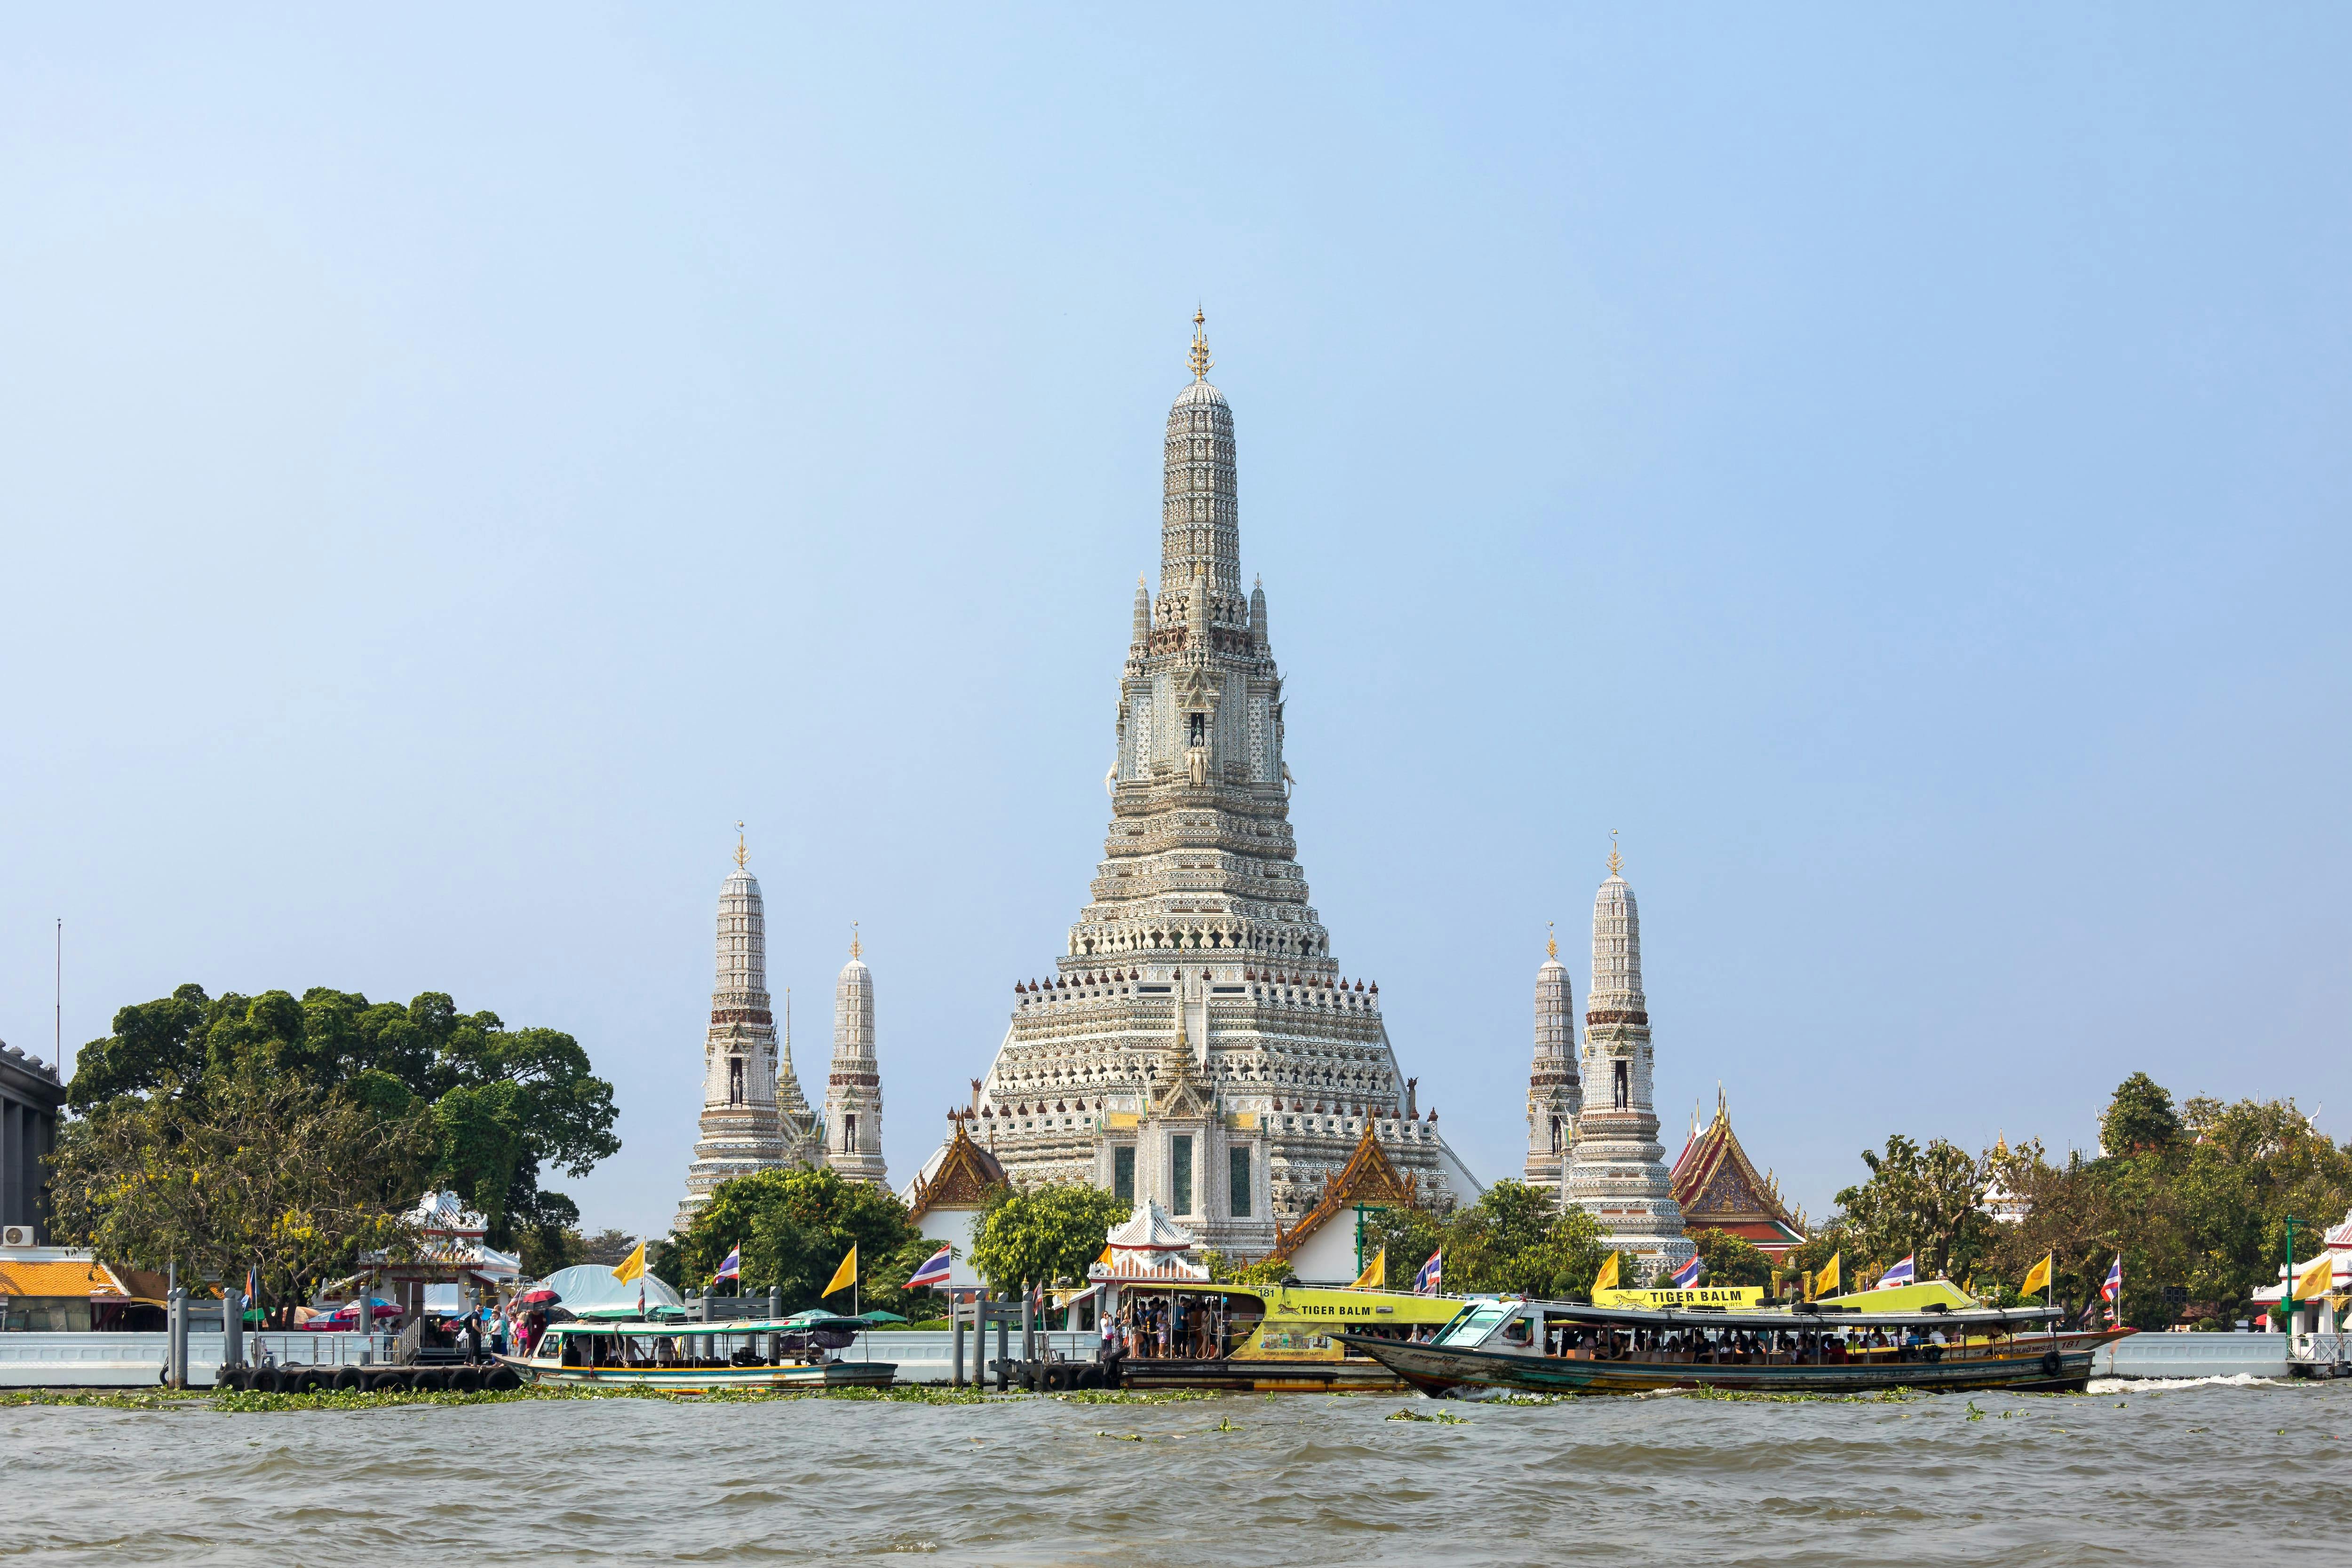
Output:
x=2196 y=1474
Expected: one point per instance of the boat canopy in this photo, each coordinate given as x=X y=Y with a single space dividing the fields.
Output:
x=1906 y=1298
x=1814 y=1315
x=589 y=1290
x=802 y=1323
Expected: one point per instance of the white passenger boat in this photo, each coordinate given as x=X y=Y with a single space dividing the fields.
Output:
x=758 y=1354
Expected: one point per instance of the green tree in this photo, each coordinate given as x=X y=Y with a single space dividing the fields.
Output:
x=1225 y=1270
x=1514 y=1239
x=2202 y=1208
x=795 y=1226
x=504 y=1106
x=1409 y=1234
x=1732 y=1260
x=1927 y=1203
x=1517 y=1240
x=1036 y=1235
x=2139 y=1118
x=260 y=1171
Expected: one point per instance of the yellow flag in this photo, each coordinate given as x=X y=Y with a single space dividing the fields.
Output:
x=2038 y=1277
x=2312 y=1279
x=1607 y=1279
x=632 y=1267
x=1827 y=1280
x=844 y=1276
x=1105 y=1259
x=1375 y=1274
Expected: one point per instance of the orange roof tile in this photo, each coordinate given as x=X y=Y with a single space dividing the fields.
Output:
x=84 y=1280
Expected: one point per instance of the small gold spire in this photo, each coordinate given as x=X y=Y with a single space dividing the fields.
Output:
x=1616 y=860
x=854 y=950
x=1551 y=941
x=1198 y=358
x=741 y=853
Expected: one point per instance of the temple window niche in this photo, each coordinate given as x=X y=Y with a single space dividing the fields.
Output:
x=1239 y=1182
x=1122 y=1173
x=1623 y=1075
x=1180 y=1161
x=734 y=1081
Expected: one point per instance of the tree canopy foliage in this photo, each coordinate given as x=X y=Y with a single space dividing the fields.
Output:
x=1514 y=1238
x=1036 y=1234
x=1927 y=1203
x=267 y=1173
x=2194 y=1199
x=469 y=1104
x=795 y=1226
x=1732 y=1260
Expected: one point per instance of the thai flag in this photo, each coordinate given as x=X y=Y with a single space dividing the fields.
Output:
x=1432 y=1275
x=2113 y=1288
x=934 y=1271
x=1903 y=1273
x=733 y=1268
x=1687 y=1275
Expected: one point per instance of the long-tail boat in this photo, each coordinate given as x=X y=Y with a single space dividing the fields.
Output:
x=702 y=1357
x=1569 y=1347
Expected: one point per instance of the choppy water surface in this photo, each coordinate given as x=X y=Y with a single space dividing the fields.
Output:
x=2196 y=1474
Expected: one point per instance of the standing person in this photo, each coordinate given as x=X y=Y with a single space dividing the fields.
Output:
x=1110 y=1334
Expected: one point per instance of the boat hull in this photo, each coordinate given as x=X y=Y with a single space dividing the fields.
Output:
x=1355 y=1374
x=711 y=1379
x=2063 y=1367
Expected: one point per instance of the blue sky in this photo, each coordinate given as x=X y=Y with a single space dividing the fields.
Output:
x=1890 y=468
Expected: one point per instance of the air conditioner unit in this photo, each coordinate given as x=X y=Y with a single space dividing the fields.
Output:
x=16 y=1236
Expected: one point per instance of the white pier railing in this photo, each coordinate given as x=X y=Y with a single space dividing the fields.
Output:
x=2327 y=1350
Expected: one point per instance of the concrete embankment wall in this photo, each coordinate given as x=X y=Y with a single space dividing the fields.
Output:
x=928 y=1355
x=136 y=1359
x=2193 y=1355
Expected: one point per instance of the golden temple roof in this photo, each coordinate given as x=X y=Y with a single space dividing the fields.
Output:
x=1367 y=1180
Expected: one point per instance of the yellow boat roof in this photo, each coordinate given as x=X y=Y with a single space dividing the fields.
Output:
x=1906 y=1298
x=1317 y=1301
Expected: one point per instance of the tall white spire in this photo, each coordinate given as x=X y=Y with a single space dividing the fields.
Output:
x=743 y=1129
x=853 y=1096
x=1200 y=514
x=1617 y=1171
x=1554 y=1094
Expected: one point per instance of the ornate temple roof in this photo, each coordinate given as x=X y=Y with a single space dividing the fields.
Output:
x=1149 y=1229
x=1149 y=1246
x=1368 y=1178
x=1718 y=1189
x=959 y=1177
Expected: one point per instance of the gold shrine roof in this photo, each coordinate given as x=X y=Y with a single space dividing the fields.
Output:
x=1717 y=1188
x=966 y=1174
x=1368 y=1179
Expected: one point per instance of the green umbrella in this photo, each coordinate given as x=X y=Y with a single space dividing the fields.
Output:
x=883 y=1318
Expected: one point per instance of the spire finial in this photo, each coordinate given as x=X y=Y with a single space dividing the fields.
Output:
x=741 y=855
x=1551 y=941
x=854 y=950
x=1616 y=860
x=1198 y=358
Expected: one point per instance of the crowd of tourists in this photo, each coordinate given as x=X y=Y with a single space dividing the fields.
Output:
x=1736 y=1347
